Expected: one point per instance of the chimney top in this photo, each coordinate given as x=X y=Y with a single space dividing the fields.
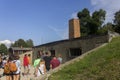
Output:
x=74 y=28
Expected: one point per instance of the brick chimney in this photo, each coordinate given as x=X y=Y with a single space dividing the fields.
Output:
x=74 y=28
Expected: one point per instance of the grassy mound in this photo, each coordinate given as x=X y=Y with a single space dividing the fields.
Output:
x=103 y=64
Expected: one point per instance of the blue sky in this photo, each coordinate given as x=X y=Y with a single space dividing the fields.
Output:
x=44 y=20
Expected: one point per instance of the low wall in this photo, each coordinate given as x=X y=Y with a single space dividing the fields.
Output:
x=112 y=35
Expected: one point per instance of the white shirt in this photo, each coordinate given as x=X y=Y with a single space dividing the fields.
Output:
x=41 y=68
x=18 y=64
x=60 y=59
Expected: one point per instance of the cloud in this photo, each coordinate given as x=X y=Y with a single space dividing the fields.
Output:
x=110 y=6
x=7 y=42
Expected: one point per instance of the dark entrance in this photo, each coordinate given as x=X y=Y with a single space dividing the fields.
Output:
x=74 y=52
x=52 y=53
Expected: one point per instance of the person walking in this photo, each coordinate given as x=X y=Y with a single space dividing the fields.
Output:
x=4 y=62
x=60 y=58
x=47 y=60
x=36 y=63
x=29 y=63
x=25 y=64
x=16 y=75
x=54 y=63
x=7 y=72
x=41 y=68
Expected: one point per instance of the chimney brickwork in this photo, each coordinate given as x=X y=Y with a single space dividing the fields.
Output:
x=74 y=28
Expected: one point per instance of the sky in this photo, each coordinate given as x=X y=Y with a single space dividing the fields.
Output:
x=45 y=21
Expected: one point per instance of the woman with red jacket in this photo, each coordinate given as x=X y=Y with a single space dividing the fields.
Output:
x=25 y=63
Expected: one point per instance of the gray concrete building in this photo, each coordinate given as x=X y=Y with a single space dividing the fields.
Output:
x=74 y=46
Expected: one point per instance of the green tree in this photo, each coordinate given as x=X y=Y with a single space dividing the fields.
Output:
x=117 y=21
x=105 y=28
x=109 y=26
x=84 y=17
x=19 y=43
x=29 y=43
x=3 y=49
x=23 y=43
x=91 y=24
x=98 y=18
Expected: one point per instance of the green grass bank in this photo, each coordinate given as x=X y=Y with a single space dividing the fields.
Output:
x=102 y=64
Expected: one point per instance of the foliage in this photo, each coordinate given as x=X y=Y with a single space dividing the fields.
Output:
x=3 y=49
x=29 y=43
x=98 y=19
x=105 y=28
x=19 y=43
x=109 y=26
x=91 y=24
x=102 y=64
x=117 y=21
x=84 y=17
x=22 y=43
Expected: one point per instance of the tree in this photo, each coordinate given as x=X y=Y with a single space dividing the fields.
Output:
x=29 y=43
x=117 y=21
x=105 y=28
x=19 y=43
x=91 y=24
x=3 y=49
x=84 y=17
x=98 y=18
x=23 y=43
x=109 y=26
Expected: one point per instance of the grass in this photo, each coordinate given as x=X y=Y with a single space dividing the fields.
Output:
x=103 y=64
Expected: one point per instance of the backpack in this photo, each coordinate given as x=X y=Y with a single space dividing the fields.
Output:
x=6 y=68
x=13 y=67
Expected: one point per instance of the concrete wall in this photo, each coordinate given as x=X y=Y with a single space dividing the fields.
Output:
x=63 y=47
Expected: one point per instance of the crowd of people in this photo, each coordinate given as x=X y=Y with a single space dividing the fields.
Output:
x=42 y=64
x=11 y=67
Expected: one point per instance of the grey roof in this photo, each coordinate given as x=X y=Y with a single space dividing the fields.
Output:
x=66 y=40
x=18 y=48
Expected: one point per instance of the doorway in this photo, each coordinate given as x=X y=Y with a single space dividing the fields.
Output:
x=74 y=52
x=52 y=53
